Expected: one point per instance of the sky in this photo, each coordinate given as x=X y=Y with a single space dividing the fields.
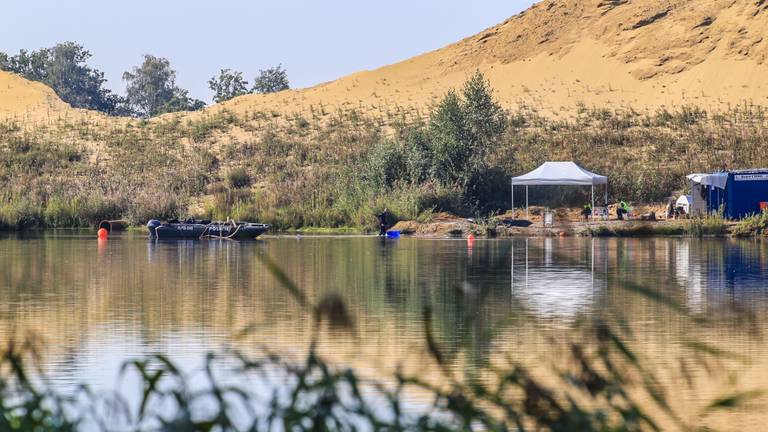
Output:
x=315 y=41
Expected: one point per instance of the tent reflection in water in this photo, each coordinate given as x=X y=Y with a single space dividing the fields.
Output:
x=555 y=285
x=559 y=174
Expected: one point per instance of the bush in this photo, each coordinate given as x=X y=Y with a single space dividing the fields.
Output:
x=706 y=225
x=20 y=214
x=385 y=165
x=155 y=205
x=238 y=178
x=79 y=212
x=751 y=226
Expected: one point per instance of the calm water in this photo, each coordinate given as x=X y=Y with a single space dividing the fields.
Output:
x=97 y=304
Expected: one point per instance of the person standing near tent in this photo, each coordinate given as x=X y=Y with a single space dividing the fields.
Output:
x=383 y=222
x=622 y=210
x=671 y=210
x=586 y=212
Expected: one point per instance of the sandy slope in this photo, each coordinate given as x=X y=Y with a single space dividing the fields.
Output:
x=555 y=56
x=558 y=54
x=21 y=98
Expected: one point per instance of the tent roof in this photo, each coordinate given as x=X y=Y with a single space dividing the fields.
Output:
x=559 y=173
x=718 y=180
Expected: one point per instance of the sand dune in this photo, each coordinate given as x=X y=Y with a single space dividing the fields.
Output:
x=555 y=56
x=20 y=97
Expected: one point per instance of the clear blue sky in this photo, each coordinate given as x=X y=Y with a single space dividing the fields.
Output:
x=315 y=40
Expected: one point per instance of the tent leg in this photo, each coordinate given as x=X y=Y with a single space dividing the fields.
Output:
x=592 y=215
x=526 y=203
x=512 y=189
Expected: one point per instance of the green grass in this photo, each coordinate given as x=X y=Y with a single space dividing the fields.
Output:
x=695 y=227
x=636 y=229
x=752 y=226
x=712 y=225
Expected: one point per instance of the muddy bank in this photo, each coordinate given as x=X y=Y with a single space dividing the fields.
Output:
x=446 y=225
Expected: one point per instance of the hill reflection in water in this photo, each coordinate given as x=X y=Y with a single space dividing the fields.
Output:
x=97 y=304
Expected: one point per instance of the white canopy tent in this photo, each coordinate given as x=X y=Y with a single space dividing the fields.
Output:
x=559 y=174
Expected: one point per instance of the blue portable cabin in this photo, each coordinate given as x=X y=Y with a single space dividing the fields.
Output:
x=738 y=193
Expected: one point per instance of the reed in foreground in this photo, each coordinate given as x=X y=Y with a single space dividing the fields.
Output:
x=601 y=384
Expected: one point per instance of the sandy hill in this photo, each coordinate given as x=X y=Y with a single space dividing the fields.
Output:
x=22 y=98
x=554 y=56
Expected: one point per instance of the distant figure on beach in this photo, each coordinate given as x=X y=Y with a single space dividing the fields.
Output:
x=586 y=212
x=383 y=222
x=671 y=210
x=622 y=209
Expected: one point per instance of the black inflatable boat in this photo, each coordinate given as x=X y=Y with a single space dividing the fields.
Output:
x=191 y=229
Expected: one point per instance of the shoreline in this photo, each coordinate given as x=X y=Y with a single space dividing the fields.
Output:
x=610 y=228
x=456 y=227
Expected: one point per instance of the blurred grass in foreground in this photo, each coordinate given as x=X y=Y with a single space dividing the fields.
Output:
x=600 y=384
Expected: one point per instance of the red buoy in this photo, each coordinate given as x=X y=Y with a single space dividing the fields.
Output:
x=103 y=234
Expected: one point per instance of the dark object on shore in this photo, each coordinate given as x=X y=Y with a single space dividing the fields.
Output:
x=586 y=212
x=651 y=217
x=113 y=225
x=671 y=210
x=383 y=222
x=523 y=223
x=192 y=229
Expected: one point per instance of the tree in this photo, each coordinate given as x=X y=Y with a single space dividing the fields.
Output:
x=418 y=156
x=447 y=141
x=63 y=67
x=385 y=165
x=462 y=131
x=227 y=85
x=271 y=80
x=151 y=89
x=485 y=120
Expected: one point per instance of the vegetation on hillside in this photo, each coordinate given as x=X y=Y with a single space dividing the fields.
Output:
x=64 y=68
x=271 y=80
x=151 y=87
x=339 y=168
x=230 y=84
x=227 y=85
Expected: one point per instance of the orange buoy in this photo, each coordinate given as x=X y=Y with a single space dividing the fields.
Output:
x=103 y=234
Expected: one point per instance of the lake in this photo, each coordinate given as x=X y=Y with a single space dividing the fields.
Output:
x=96 y=304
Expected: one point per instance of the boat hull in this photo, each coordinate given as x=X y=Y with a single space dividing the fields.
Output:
x=194 y=231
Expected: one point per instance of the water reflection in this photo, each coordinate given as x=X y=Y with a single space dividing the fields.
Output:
x=558 y=278
x=97 y=303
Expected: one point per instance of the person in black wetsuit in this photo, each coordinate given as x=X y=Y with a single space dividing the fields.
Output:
x=383 y=222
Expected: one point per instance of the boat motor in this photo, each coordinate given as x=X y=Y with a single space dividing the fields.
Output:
x=152 y=226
